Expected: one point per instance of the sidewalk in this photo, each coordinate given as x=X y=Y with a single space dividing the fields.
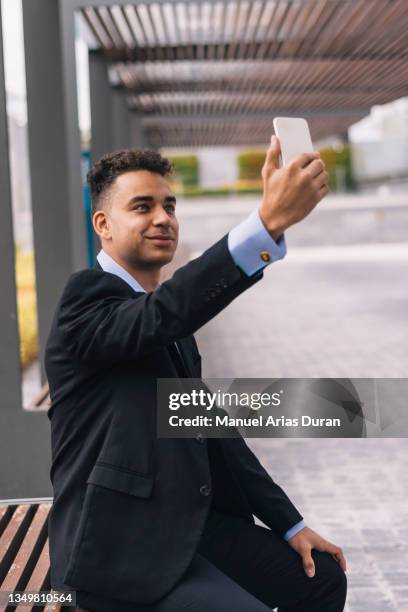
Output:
x=353 y=492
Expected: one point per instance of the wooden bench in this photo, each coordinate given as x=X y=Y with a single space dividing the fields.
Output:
x=24 y=553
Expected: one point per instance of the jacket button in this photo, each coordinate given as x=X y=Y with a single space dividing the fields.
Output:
x=200 y=438
x=205 y=490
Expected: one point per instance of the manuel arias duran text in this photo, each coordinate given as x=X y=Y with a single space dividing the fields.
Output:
x=213 y=401
x=257 y=408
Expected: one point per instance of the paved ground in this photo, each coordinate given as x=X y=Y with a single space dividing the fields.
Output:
x=354 y=493
x=336 y=306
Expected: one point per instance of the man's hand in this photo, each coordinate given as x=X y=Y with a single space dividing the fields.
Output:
x=290 y=193
x=305 y=540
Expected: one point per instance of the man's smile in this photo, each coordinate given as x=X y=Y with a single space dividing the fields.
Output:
x=161 y=239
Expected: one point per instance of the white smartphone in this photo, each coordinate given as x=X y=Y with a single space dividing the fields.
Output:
x=294 y=137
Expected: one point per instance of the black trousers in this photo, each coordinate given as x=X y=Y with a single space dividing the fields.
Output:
x=242 y=567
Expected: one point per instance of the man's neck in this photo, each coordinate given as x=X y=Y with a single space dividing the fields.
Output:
x=147 y=278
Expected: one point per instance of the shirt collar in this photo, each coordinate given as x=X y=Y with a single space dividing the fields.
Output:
x=110 y=265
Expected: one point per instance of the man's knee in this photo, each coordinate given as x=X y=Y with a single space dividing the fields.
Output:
x=330 y=574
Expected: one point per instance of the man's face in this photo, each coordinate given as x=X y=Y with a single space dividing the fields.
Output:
x=139 y=221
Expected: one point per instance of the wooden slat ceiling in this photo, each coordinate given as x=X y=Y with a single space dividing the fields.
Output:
x=217 y=72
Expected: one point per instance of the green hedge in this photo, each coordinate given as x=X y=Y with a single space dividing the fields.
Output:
x=186 y=169
x=250 y=164
x=339 y=159
x=192 y=192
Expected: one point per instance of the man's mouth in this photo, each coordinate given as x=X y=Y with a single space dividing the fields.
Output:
x=161 y=239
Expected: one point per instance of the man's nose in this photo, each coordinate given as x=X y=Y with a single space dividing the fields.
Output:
x=161 y=218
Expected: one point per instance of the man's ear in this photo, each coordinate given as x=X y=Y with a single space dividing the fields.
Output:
x=101 y=225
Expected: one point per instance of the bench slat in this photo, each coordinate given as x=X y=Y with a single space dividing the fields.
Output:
x=5 y=514
x=24 y=553
x=19 y=573
x=39 y=577
x=13 y=536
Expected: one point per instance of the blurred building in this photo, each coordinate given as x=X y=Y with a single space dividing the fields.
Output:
x=379 y=144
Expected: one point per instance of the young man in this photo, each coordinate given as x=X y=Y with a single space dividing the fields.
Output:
x=141 y=523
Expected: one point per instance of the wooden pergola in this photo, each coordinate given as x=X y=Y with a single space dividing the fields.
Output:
x=217 y=72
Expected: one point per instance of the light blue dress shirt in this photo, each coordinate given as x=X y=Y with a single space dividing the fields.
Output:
x=245 y=242
x=249 y=239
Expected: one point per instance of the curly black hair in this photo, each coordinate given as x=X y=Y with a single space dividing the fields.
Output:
x=111 y=165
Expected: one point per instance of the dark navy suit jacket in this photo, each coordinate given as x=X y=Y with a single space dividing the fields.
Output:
x=129 y=508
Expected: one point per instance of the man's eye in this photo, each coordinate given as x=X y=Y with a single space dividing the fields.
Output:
x=142 y=207
x=171 y=208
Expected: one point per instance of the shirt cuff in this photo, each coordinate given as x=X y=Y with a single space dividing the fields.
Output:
x=293 y=530
x=251 y=246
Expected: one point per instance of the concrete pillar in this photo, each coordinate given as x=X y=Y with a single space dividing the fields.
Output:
x=101 y=107
x=139 y=139
x=10 y=384
x=110 y=114
x=25 y=452
x=121 y=120
x=55 y=156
